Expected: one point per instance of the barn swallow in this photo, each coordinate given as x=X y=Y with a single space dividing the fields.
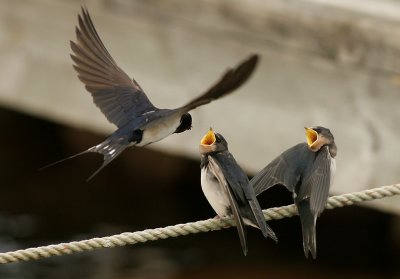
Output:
x=307 y=170
x=124 y=103
x=227 y=187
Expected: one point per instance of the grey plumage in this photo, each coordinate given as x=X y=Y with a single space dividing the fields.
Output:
x=227 y=187
x=124 y=103
x=307 y=170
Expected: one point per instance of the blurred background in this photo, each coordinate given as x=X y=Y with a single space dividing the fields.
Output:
x=333 y=63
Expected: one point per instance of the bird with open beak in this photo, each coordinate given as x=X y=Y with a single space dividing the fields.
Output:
x=227 y=187
x=123 y=101
x=307 y=170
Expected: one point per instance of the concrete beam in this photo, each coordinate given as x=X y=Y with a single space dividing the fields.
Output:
x=330 y=63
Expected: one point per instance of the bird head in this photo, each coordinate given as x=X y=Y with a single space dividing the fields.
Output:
x=317 y=137
x=186 y=123
x=212 y=142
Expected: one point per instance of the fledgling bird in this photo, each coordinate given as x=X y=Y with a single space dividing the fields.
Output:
x=307 y=170
x=125 y=104
x=227 y=187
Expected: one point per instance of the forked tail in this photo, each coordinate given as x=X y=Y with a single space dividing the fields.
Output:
x=110 y=149
x=308 y=222
x=259 y=220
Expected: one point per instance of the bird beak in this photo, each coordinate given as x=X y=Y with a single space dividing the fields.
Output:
x=311 y=136
x=208 y=138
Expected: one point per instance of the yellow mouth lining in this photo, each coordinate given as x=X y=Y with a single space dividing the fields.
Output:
x=311 y=136
x=209 y=138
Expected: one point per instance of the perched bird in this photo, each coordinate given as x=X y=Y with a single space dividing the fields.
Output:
x=123 y=101
x=307 y=170
x=227 y=187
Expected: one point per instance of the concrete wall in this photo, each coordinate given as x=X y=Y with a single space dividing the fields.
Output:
x=330 y=63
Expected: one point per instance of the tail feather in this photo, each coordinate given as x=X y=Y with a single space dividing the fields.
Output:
x=308 y=222
x=259 y=221
x=110 y=149
x=65 y=159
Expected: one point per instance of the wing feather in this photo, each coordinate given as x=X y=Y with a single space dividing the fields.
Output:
x=119 y=97
x=229 y=82
x=240 y=226
x=284 y=170
x=317 y=185
x=240 y=188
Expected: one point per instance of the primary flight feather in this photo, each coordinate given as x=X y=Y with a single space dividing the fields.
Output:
x=123 y=101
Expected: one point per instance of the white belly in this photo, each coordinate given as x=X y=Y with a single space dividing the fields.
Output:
x=215 y=193
x=159 y=130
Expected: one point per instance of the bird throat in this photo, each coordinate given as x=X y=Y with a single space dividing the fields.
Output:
x=186 y=123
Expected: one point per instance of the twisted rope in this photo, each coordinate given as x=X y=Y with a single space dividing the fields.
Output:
x=183 y=229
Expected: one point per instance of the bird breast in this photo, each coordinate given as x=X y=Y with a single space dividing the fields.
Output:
x=159 y=129
x=215 y=193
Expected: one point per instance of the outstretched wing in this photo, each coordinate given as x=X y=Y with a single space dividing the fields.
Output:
x=118 y=97
x=318 y=180
x=284 y=170
x=229 y=82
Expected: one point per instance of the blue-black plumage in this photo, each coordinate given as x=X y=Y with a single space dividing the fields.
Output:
x=125 y=104
x=307 y=170
x=227 y=187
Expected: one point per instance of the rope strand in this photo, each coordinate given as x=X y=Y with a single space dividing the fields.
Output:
x=184 y=229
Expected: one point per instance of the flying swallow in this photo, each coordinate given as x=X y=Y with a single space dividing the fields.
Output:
x=227 y=187
x=124 y=103
x=307 y=170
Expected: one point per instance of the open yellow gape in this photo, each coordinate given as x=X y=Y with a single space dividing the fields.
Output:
x=208 y=138
x=311 y=135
